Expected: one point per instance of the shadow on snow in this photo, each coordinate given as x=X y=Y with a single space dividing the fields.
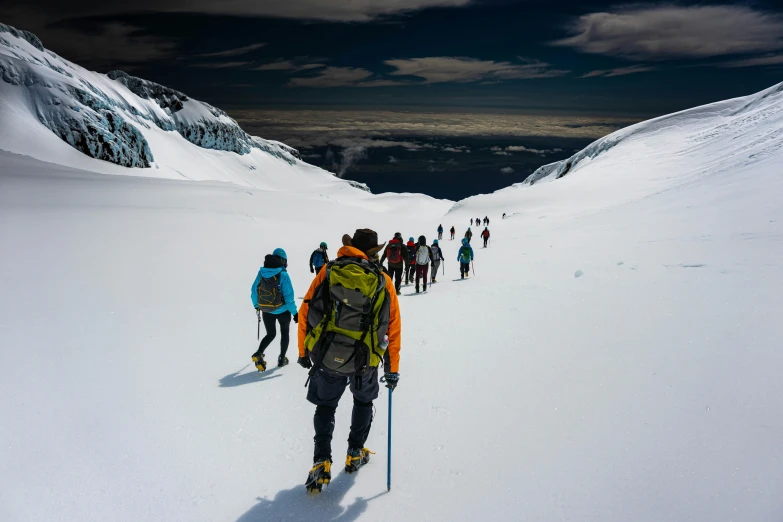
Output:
x=297 y=504
x=239 y=379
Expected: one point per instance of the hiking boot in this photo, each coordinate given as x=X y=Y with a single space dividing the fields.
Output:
x=356 y=458
x=398 y=292
x=417 y=289
x=258 y=360
x=320 y=475
x=282 y=361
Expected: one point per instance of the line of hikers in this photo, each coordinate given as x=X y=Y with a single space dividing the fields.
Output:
x=347 y=326
x=480 y=221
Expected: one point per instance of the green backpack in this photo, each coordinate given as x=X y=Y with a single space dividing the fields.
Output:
x=348 y=318
x=464 y=254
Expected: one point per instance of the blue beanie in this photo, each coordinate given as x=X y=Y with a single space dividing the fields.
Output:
x=436 y=241
x=464 y=241
x=279 y=252
x=410 y=238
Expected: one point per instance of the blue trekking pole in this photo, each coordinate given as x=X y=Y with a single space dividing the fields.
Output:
x=388 y=461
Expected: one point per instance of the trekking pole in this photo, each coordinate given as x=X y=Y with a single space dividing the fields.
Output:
x=258 y=314
x=474 y=268
x=388 y=461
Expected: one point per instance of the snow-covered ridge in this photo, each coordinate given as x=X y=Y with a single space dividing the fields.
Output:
x=730 y=118
x=110 y=117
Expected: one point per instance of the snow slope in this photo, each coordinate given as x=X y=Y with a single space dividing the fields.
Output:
x=616 y=357
x=54 y=110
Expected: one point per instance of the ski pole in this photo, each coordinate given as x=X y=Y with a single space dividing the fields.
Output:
x=474 y=268
x=388 y=461
x=258 y=314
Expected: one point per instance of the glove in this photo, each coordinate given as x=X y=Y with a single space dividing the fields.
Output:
x=391 y=379
x=296 y=317
x=304 y=362
x=312 y=270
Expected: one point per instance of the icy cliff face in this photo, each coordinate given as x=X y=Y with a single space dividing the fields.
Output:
x=104 y=116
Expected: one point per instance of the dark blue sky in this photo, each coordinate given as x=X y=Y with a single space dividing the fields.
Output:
x=640 y=60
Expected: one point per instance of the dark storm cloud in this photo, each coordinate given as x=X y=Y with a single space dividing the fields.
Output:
x=670 y=32
x=238 y=51
x=332 y=10
x=619 y=71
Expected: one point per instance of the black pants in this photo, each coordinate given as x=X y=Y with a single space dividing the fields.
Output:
x=318 y=269
x=395 y=272
x=270 y=323
x=325 y=391
x=485 y=241
x=464 y=268
x=410 y=273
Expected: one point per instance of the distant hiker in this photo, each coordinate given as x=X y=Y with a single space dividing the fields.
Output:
x=486 y=221
x=410 y=266
x=453 y=232
x=437 y=257
x=468 y=235
x=478 y=221
x=345 y=349
x=471 y=221
x=504 y=215
x=318 y=259
x=485 y=236
x=423 y=259
x=440 y=231
x=396 y=253
x=273 y=298
x=464 y=256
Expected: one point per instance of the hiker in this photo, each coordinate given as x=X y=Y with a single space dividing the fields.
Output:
x=504 y=215
x=410 y=266
x=273 y=298
x=440 y=231
x=422 y=258
x=468 y=235
x=464 y=256
x=343 y=350
x=486 y=221
x=485 y=236
x=453 y=232
x=471 y=221
x=478 y=221
x=319 y=258
x=437 y=257
x=396 y=253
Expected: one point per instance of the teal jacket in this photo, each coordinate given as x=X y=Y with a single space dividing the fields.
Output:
x=289 y=300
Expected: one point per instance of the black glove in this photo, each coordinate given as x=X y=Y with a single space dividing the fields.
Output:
x=296 y=317
x=312 y=270
x=391 y=379
x=304 y=362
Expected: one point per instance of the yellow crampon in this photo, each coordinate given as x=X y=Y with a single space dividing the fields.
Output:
x=349 y=460
x=327 y=469
x=259 y=362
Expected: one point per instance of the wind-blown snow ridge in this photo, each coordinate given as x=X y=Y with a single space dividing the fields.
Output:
x=132 y=123
x=737 y=115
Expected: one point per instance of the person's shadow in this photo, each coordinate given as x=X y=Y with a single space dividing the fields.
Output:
x=297 y=504
x=238 y=378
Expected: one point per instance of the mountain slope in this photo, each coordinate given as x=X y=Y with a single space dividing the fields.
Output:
x=56 y=111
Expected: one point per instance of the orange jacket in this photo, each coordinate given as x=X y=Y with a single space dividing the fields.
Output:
x=395 y=325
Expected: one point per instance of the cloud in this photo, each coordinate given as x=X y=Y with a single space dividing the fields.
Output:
x=507 y=170
x=502 y=153
x=465 y=70
x=620 y=71
x=759 y=61
x=238 y=51
x=456 y=149
x=671 y=32
x=331 y=10
x=392 y=159
x=287 y=65
x=412 y=130
x=221 y=65
x=332 y=77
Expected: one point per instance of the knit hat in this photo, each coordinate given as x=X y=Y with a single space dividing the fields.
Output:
x=279 y=252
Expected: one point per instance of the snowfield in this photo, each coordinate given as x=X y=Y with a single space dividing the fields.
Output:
x=616 y=357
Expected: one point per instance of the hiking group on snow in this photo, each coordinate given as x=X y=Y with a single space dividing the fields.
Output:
x=347 y=326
